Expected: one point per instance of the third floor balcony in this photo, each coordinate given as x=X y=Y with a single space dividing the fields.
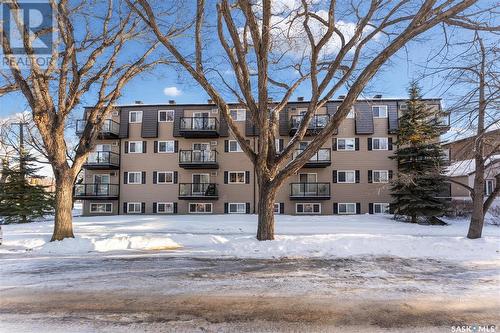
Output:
x=321 y=159
x=198 y=159
x=317 y=123
x=110 y=129
x=102 y=160
x=199 y=127
x=198 y=191
x=309 y=191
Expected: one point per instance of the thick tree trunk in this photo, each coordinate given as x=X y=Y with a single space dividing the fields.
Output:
x=477 y=217
x=265 y=228
x=63 y=223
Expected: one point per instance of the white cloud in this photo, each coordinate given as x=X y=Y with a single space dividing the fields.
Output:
x=172 y=91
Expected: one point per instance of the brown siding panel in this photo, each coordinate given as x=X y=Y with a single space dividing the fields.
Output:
x=223 y=127
x=150 y=124
x=177 y=122
x=283 y=121
x=123 y=124
x=364 y=119
x=392 y=114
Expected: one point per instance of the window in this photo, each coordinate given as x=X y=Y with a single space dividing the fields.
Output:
x=277 y=145
x=166 y=146
x=380 y=144
x=488 y=186
x=237 y=208
x=134 y=177
x=101 y=207
x=308 y=208
x=165 y=207
x=346 y=176
x=200 y=208
x=234 y=146
x=236 y=177
x=165 y=177
x=380 y=208
x=135 y=117
x=380 y=176
x=346 y=144
x=134 y=207
x=277 y=208
x=238 y=114
x=135 y=147
x=379 y=111
x=347 y=208
x=166 y=116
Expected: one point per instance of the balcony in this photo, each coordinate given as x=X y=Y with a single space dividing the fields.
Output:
x=317 y=123
x=110 y=129
x=102 y=160
x=321 y=159
x=198 y=159
x=198 y=191
x=96 y=191
x=199 y=127
x=444 y=121
x=309 y=191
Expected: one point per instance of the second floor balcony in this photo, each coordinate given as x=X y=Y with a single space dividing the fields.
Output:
x=199 y=127
x=198 y=191
x=198 y=159
x=110 y=129
x=309 y=191
x=317 y=123
x=102 y=160
x=321 y=159
x=96 y=191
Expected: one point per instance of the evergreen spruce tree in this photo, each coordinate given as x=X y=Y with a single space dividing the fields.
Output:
x=420 y=162
x=20 y=201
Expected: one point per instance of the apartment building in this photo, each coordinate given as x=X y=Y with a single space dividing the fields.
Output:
x=181 y=159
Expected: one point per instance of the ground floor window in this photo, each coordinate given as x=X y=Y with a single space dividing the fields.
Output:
x=134 y=207
x=308 y=208
x=165 y=207
x=237 y=208
x=347 y=208
x=101 y=207
x=381 y=208
x=488 y=186
x=277 y=208
x=200 y=208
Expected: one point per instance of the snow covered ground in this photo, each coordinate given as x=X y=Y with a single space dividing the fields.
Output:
x=233 y=236
x=187 y=273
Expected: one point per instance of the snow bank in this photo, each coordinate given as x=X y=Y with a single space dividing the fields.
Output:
x=115 y=243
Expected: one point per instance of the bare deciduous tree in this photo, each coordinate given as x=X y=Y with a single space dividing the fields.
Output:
x=279 y=46
x=472 y=74
x=91 y=58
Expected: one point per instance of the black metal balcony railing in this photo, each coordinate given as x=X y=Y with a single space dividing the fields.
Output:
x=317 y=123
x=199 y=127
x=205 y=159
x=198 y=191
x=310 y=191
x=321 y=159
x=96 y=191
x=110 y=128
x=102 y=159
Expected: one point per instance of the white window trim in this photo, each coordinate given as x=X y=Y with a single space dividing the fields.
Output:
x=346 y=203
x=166 y=145
x=279 y=208
x=486 y=182
x=137 y=143
x=130 y=117
x=354 y=145
x=200 y=174
x=158 y=174
x=100 y=175
x=166 y=118
x=380 y=138
x=380 y=203
x=202 y=203
x=239 y=112
x=346 y=182
x=379 y=182
x=164 y=203
x=101 y=203
x=378 y=106
x=307 y=174
x=239 y=150
x=307 y=203
x=237 y=203
x=229 y=177
x=134 y=203
x=134 y=183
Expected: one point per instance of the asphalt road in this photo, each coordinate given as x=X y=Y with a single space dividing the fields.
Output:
x=161 y=293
